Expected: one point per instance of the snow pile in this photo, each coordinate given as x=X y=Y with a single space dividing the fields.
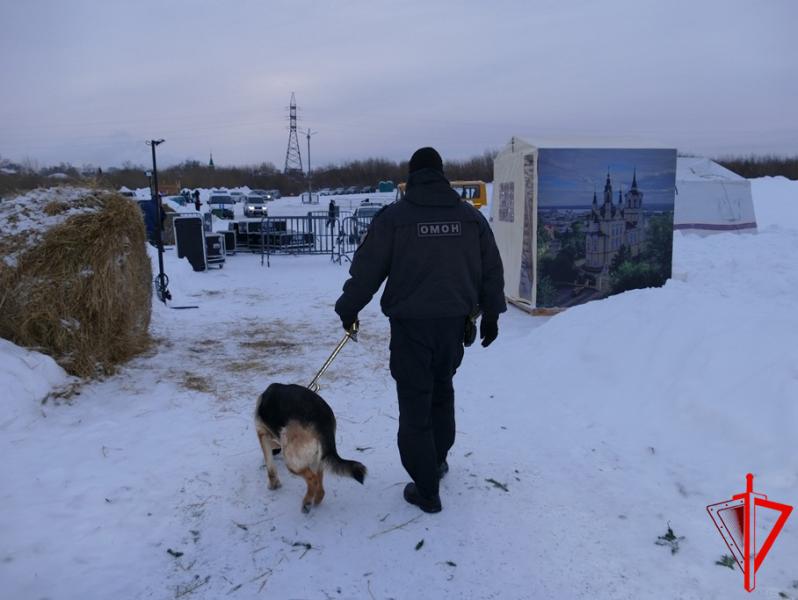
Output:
x=27 y=377
x=636 y=412
x=781 y=208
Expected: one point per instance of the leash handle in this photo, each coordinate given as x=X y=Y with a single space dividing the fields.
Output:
x=313 y=386
x=353 y=329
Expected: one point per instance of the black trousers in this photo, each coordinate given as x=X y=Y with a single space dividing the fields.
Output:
x=425 y=354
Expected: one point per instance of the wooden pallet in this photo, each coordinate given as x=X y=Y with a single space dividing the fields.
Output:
x=535 y=312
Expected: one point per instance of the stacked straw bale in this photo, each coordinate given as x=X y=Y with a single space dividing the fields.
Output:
x=75 y=277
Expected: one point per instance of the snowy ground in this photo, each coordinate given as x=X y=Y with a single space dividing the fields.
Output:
x=605 y=424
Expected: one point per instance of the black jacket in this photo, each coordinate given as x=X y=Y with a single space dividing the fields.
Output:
x=438 y=254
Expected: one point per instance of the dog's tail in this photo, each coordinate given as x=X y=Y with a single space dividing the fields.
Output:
x=346 y=468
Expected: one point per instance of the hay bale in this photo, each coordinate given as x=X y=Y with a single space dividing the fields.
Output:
x=75 y=277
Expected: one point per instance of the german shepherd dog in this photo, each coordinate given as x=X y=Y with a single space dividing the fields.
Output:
x=300 y=422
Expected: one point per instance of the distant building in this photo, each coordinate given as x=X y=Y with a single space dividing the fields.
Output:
x=610 y=226
x=210 y=162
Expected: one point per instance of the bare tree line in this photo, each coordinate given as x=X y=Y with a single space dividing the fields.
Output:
x=761 y=166
x=193 y=174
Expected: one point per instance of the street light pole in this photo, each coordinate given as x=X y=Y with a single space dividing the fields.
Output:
x=309 y=133
x=162 y=280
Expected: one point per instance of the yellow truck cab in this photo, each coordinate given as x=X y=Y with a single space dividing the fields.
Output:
x=474 y=192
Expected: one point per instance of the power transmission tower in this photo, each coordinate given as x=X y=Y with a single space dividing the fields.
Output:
x=293 y=158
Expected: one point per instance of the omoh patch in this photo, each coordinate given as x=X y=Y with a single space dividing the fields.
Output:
x=440 y=229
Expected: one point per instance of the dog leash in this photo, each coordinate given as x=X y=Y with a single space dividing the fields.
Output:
x=313 y=386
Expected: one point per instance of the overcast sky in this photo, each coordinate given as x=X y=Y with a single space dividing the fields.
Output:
x=88 y=81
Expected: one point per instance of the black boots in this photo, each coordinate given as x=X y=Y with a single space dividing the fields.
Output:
x=428 y=505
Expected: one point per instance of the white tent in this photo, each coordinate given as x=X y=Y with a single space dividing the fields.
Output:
x=711 y=198
x=509 y=214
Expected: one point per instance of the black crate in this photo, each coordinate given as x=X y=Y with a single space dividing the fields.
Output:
x=229 y=241
x=190 y=241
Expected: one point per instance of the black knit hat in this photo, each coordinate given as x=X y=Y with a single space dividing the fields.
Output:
x=425 y=158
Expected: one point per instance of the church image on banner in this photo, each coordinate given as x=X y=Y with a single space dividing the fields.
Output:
x=609 y=227
x=579 y=224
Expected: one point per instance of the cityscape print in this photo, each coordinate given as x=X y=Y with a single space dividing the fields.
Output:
x=604 y=222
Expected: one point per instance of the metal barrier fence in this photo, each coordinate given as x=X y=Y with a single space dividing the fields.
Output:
x=314 y=233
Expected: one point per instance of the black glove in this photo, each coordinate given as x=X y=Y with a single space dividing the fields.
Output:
x=347 y=321
x=488 y=329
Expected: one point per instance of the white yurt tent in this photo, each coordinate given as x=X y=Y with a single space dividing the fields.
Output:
x=711 y=198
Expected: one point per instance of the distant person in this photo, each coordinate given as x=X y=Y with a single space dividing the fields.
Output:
x=332 y=214
x=197 y=202
x=447 y=269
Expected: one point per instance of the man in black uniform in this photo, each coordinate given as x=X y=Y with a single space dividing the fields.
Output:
x=442 y=265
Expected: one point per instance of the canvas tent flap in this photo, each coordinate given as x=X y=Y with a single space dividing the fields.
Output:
x=509 y=211
x=714 y=206
x=694 y=168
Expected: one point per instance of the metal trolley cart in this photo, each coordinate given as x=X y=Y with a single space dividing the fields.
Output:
x=215 y=249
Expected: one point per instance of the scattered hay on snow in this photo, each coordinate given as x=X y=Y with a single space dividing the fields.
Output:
x=75 y=277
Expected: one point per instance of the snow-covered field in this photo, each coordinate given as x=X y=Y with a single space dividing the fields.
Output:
x=581 y=439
